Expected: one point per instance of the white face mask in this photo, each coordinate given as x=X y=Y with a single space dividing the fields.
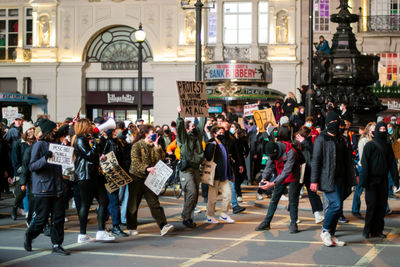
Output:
x=308 y=124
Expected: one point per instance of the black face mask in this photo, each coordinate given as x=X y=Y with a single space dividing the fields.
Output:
x=273 y=156
x=167 y=131
x=221 y=137
x=209 y=127
x=382 y=136
x=333 y=127
x=194 y=131
x=251 y=123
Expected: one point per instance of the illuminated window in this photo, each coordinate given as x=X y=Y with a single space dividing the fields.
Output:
x=263 y=22
x=389 y=69
x=28 y=28
x=8 y=33
x=212 y=25
x=321 y=15
x=237 y=22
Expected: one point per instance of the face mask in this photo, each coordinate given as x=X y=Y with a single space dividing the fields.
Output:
x=390 y=131
x=273 y=156
x=153 y=137
x=209 y=127
x=129 y=132
x=382 y=136
x=275 y=134
x=301 y=112
x=194 y=131
x=341 y=108
x=333 y=127
x=220 y=137
x=308 y=124
x=167 y=131
x=232 y=130
x=251 y=123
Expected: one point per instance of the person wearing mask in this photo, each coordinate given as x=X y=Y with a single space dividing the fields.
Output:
x=310 y=124
x=218 y=150
x=344 y=113
x=47 y=188
x=332 y=171
x=297 y=119
x=377 y=161
x=282 y=158
x=252 y=160
x=277 y=110
x=89 y=182
x=166 y=137
x=145 y=153
x=366 y=137
x=189 y=141
x=13 y=138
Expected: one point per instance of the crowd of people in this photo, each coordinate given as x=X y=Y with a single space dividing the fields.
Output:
x=281 y=157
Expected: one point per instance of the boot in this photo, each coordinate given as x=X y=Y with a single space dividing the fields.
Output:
x=116 y=230
x=293 y=229
x=263 y=226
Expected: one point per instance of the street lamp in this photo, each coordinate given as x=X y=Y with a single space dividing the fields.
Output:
x=198 y=6
x=140 y=36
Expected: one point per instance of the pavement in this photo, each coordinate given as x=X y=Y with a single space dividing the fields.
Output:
x=209 y=245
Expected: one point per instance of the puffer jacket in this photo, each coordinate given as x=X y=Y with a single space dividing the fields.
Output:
x=86 y=159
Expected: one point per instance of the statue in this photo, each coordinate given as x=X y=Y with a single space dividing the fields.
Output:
x=282 y=27
x=44 y=31
x=190 y=27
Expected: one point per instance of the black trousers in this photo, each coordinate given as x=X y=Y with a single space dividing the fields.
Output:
x=44 y=206
x=376 y=198
x=88 y=190
x=19 y=197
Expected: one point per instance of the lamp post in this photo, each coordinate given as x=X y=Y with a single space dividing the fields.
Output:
x=310 y=91
x=198 y=6
x=140 y=36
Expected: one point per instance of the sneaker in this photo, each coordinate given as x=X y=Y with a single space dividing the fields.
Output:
x=212 y=220
x=396 y=189
x=66 y=219
x=22 y=212
x=336 y=242
x=298 y=221
x=104 y=236
x=283 y=197
x=259 y=196
x=226 y=218
x=318 y=217
x=82 y=239
x=238 y=209
x=326 y=238
x=133 y=232
x=239 y=199
x=342 y=219
x=196 y=211
x=116 y=231
x=60 y=250
x=168 y=228
x=263 y=226
x=189 y=223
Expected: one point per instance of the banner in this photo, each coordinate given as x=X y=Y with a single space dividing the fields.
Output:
x=9 y=113
x=62 y=155
x=116 y=177
x=193 y=99
x=232 y=70
x=263 y=116
x=248 y=110
x=155 y=182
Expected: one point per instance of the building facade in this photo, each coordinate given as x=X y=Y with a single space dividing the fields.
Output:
x=82 y=54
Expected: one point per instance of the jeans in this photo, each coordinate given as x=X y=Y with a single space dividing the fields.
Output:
x=123 y=199
x=357 y=194
x=293 y=201
x=390 y=184
x=190 y=181
x=334 y=211
x=113 y=207
x=234 y=198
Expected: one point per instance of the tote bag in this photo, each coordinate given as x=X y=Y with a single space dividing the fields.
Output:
x=208 y=170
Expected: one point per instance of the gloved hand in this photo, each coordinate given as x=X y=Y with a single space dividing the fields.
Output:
x=48 y=154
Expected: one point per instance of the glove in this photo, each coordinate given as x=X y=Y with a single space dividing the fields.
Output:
x=48 y=154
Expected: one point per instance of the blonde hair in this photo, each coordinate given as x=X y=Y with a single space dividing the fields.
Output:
x=80 y=127
x=367 y=130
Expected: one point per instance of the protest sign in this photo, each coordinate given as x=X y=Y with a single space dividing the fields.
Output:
x=62 y=155
x=248 y=110
x=193 y=99
x=263 y=116
x=155 y=182
x=116 y=177
x=9 y=113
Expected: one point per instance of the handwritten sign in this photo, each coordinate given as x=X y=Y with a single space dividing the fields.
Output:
x=116 y=177
x=62 y=155
x=193 y=99
x=155 y=182
x=9 y=113
x=248 y=110
x=263 y=116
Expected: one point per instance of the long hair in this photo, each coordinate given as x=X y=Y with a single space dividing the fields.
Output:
x=367 y=130
x=80 y=127
x=29 y=139
x=239 y=130
x=145 y=129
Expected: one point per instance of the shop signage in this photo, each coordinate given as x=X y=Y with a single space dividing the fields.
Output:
x=391 y=103
x=214 y=109
x=238 y=71
x=129 y=65
x=125 y=98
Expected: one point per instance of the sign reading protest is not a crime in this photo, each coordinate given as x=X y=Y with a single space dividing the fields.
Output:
x=155 y=182
x=263 y=116
x=116 y=177
x=62 y=155
x=193 y=99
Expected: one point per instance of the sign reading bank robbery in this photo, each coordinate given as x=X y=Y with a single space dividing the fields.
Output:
x=193 y=99
x=237 y=71
x=116 y=177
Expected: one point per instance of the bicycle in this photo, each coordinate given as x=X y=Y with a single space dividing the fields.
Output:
x=173 y=181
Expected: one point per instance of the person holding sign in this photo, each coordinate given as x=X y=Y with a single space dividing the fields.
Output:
x=47 y=188
x=145 y=153
x=88 y=181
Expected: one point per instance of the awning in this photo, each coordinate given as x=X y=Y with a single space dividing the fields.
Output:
x=40 y=101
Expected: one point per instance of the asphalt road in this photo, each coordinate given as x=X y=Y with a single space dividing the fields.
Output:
x=209 y=245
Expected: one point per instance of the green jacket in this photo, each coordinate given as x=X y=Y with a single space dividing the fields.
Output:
x=190 y=144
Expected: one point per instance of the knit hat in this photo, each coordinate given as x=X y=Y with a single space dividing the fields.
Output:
x=284 y=120
x=331 y=116
x=47 y=126
x=270 y=148
x=26 y=126
x=379 y=119
x=270 y=129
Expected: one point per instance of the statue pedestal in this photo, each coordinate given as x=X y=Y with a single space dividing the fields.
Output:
x=48 y=54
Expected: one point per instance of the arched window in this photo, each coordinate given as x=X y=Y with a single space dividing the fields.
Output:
x=116 y=48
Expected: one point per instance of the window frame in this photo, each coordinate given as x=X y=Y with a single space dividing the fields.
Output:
x=26 y=32
x=259 y=24
x=317 y=18
x=7 y=18
x=237 y=13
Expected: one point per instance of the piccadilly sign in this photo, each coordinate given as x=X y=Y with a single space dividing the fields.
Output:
x=261 y=72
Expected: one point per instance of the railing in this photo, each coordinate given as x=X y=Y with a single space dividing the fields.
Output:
x=382 y=23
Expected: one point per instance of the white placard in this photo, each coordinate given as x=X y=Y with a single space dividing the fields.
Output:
x=155 y=182
x=62 y=155
x=248 y=110
x=9 y=113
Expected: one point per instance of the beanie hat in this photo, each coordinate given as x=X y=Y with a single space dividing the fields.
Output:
x=379 y=119
x=331 y=116
x=284 y=120
x=270 y=148
x=47 y=126
x=26 y=126
x=270 y=129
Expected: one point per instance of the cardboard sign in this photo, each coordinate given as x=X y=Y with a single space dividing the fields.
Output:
x=193 y=99
x=62 y=155
x=9 y=113
x=116 y=177
x=263 y=116
x=155 y=182
x=248 y=110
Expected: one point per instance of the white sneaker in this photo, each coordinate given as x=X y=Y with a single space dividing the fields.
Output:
x=240 y=199
x=396 y=189
x=212 y=220
x=196 y=211
x=133 y=232
x=318 y=217
x=326 y=238
x=73 y=205
x=226 y=218
x=22 y=212
x=104 y=236
x=66 y=219
x=168 y=228
x=336 y=242
x=84 y=239
x=283 y=197
x=259 y=196
x=298 y=221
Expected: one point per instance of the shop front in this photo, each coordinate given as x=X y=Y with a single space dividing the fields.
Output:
x=22 y=103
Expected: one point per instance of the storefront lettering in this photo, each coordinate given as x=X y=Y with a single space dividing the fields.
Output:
x=250 y=71
x=126 y=98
